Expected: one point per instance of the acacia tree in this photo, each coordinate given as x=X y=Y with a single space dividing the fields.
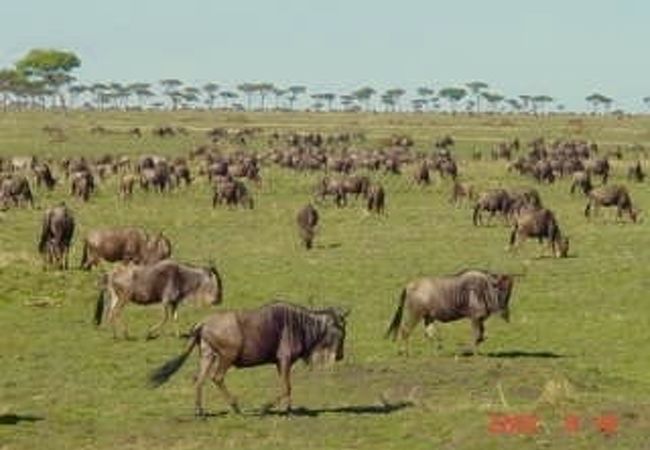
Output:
x=453 y=95
x=248 y=89
x=425 y=93
x=597 y=100
x=263 y=89
x=540 y=102
x=477 y=88
x=210 y=90
x=170 y=88
x=228 y=97
x=364 y=95
x=278 y=93
x=50 y=68
x=294 y=92
x=493 y=99
x=646 y=101
x=9 y=84
x=393 y=96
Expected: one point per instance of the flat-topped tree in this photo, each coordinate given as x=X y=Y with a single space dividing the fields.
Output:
x=53 y=68
x=210 y=90
x=477 y=88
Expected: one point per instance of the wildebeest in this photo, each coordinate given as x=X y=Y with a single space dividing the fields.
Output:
x=612 y=195
x=232 y=192
x=15 y=190
x=582 y=180
x=167 y=282
x=376 y=199
x=472 y=294
x=334 y=187
x=599 y=167
x=82 y=185
x=462 y=190
x=540 y=224
x=125 y=245
x=307 y=220
x=277 y=333
x=127 y=181
x=44 y=176
x=636 y=173
x=56 y=235
x=422 y=175
x=493 y=201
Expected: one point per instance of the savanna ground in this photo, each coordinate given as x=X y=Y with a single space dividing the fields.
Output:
x=577 y=342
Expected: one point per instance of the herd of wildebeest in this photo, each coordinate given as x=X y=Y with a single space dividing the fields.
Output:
x=280 y=332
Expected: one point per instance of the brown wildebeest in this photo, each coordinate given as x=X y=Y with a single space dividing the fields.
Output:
x=636 y=173
x=127 y=181
x=167 y=282
x=472 y=294
x=493 y=201
x=82 y=185
x=582 y=181
x=277 y=333
x=422 y=175
x=125 y=245
x=543 y=171
x=232 y=193
x=182 y=174
x=540 y=224
x=376 y=199
x=307 y=220
x=462 y=190
x=613 y=195
x=16 y=190
x=334 y=187
x=357 y=185
x=44 y=176
x=524 y=198
x=599 y=167
x=56 y=235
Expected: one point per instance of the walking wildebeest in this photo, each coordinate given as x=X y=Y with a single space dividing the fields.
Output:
x=472 y=294
x=376 y=199
x=307 y=220
x=15 y=189
x=612 y=195
x=232 y=192
x=493 y=201
x=636 y=173
x=167 y=282
x=278 y=333
x=334 y=187
x=582 y=180
x=540 y=224
x=599 y=167
x=44 y=176
x=125 y=245
x=127 y=181
x=82 y=185
x=56 y=235
x=422 y=175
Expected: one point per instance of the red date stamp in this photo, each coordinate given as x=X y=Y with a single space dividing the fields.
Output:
x=529 y=424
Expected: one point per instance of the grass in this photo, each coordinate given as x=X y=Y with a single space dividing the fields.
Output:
x=576 y=344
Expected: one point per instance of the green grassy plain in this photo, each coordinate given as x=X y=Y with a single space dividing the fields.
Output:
x=580 y=323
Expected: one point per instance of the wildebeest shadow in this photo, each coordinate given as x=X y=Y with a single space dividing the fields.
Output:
x=332 y=245
x=524 y=354
x=14 y=419
x=386 y=408
x=551 y=257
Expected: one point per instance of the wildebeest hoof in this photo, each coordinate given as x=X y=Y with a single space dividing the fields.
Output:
x=150 y=336
x=235 y=408
x=199 y=413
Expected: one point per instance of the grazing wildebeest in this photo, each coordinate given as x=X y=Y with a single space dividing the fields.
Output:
x=125 y=245
x=524 y=198
x=167 y=282
x=540 y=224
x=462 y=190
x=599 y=167
x=493 y=201
x=472 y=294
x=16 y=190
x=307 y=220
x=277 y=333
x=82 y=185
x=44 y=176
x=357 y=185
x=582 y=180
x=376 y=199
x=232 y=192
x=56 y=235
x=636 y=173
x=127 y=181
x=613 y=195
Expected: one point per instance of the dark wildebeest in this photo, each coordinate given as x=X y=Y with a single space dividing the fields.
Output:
x=125 y=245
x=334 y=187
x=44 y=176
x=422 y=175
x=357 y=185
x=278 y=333
x=493 y=201
x=524 y=198
x=472 y=294
x=167 y=282
x=599 y=167
x=636 y=173
x=82 y=185
x=16 y=190
x=582 y=181
x=307 y=220
x=540 y=224
x=462 y=190
x=56 y=235
x=232 y=192
x=376 y=199
x=613 y=195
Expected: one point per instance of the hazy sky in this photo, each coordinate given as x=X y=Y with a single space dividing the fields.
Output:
x=563 y=48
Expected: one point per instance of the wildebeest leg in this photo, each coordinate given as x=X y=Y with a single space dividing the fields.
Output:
x=218 y=378
x=205 y=364
x=284 y=371
x=478 y=329
x=114 y=315
x=431 y=331
x=153 y=331
x=405 y=330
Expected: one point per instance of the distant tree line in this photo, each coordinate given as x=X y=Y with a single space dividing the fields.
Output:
x=44 y=78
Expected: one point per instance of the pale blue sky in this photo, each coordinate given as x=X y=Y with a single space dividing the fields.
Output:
x=564 y=48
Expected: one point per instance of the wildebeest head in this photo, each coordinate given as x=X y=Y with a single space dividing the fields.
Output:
x=503 y=284
x=562 y=247
x=330 y=346
x=158 y=248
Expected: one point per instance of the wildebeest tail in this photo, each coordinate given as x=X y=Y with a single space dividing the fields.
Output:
x=99 y=307
x=84 y=256
x=513 y=235
x=397 y=318
x=164 y=372
x=475 y=216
